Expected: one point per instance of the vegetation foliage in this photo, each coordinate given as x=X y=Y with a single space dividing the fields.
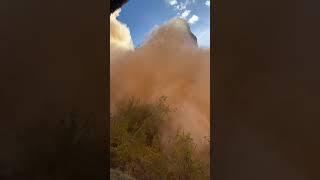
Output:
x=137 y=147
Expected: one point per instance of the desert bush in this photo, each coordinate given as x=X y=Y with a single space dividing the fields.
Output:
x=118 y=175
x=183 y=160
x=136 y=148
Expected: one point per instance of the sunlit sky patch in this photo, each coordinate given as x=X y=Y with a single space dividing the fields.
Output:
x=142 y=16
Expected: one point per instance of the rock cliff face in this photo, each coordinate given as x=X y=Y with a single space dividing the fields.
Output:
x=174 y=34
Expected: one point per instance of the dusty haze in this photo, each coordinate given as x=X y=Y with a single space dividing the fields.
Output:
x=168 y=63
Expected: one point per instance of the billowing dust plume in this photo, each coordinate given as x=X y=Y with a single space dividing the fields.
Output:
x=168 y=63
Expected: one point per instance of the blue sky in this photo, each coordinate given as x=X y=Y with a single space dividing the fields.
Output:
x=142 y=16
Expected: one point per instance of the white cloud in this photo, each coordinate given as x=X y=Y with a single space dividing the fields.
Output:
x=186 y=3
x=173 y=2
x=185 y=14
x=207 y=3
x=193 y=19
x=180 y=7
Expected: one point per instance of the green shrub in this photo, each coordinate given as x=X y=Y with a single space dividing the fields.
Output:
x=136 y=149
